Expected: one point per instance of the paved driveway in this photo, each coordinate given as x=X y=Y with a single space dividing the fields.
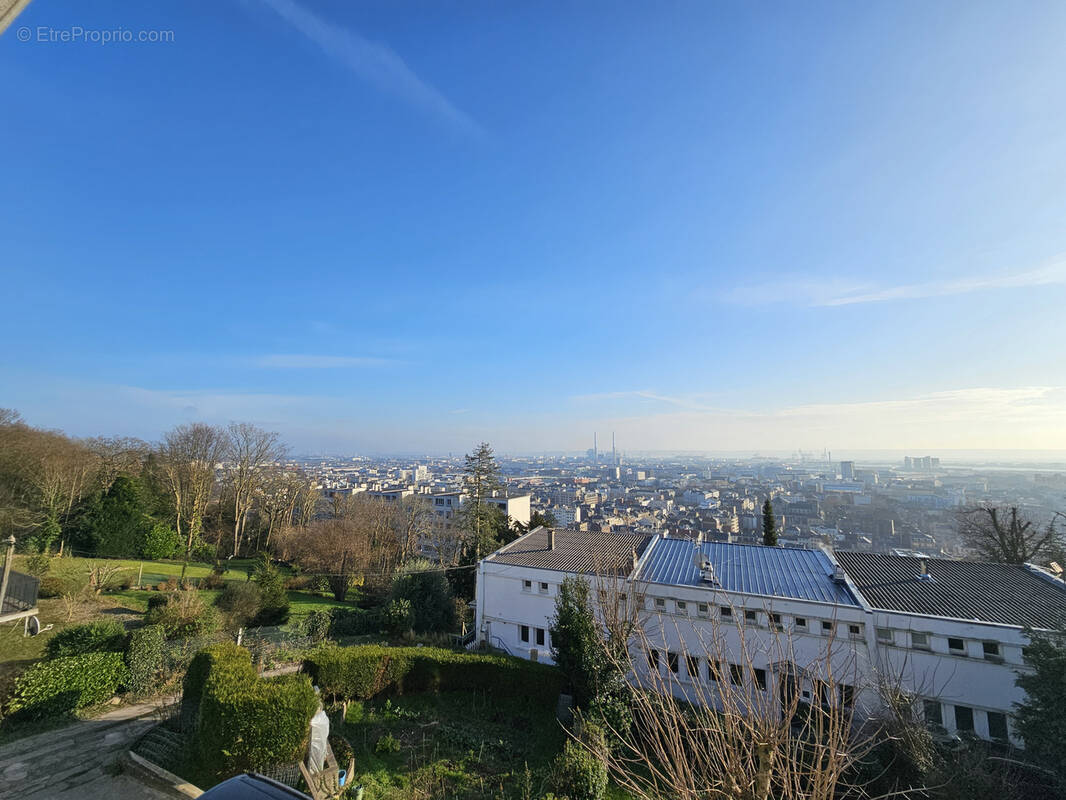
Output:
x=76 y=762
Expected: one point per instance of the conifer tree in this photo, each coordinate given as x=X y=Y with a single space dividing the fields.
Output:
x=769 y=528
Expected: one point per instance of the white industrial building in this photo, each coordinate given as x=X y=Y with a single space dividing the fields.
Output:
x=948 y=633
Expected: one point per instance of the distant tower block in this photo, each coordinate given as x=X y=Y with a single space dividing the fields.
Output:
x=595 y=452
x=614 y=455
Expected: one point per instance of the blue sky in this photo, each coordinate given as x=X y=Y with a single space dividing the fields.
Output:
x=388 y=226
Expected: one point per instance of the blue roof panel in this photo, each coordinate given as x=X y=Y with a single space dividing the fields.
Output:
x=770 y=571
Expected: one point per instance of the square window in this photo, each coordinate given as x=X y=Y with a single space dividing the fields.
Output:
x=752 y=617
x=540 y=636
x=682 y=606
x=692 y=667
x=660 y=602
x=525 y=633
x=653 y=659
x=997 y=726
x=672 y=661
x=543 y=588
x=725 y=613
x=933 y=713
x=957 y=646
x=760 y=678
x=919 y=641
x=964 y=718
x=775 y=622
x=884 y=635
x=854 y=631
x=801 y=622
x=713 y=670
x=703 y=609
x=827 y=626
x=991 y=650
x=527 y=586
x=736 y=675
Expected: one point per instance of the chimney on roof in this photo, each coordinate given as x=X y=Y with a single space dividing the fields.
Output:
x=634 y=559
x=923 y=574
x=551 y=538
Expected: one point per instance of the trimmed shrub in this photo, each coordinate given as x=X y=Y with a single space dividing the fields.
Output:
x=246 y=722
x=429 y=595
x=316 y=625
x=578 y=774
x=274 y=609
x=360 y=673
x=144 y=658
x=184 y=614
x=156 y=600
x=240 y=602
x=91 y=637
x=160 y=541
x=398 y=617
x=57 y=687
x=353 y=621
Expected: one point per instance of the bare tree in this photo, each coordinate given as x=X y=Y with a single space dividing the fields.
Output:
x=250 y=450
x=414 y=518
x=188 y=457
x=337 y=549
x=1007 y=535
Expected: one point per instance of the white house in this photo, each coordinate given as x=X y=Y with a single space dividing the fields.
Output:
x=949 y=633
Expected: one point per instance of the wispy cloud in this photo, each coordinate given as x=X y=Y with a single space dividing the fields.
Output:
x=304 y=361
x=843 y=293
x=375 y=63
x=689 y=402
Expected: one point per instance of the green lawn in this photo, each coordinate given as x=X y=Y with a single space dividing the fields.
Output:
x=151 y=572
x=455 y=744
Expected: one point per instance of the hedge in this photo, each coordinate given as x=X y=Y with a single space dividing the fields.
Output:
x=144 y=657
x=353 y=621
x=58 y=687
x=243 y=721
x=90 y=637
x=363 y=672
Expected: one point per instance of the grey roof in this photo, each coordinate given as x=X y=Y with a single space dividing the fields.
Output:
x=753 y=569
x=1005 y=594
x=575 y=551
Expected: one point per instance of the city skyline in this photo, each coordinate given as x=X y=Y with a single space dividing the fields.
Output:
x=402 y=228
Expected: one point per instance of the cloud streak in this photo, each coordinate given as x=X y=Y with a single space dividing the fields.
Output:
x=374 y=63
x=837 y=293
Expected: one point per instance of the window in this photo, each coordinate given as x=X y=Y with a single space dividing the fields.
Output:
x=660 y=602
x=682 y=606
x=540 y=636
x=919 y=641
x=752 y=617
x=884 y=635
x=847 y=695
x=800 y=622
x=671 y=661
x=713 y=670
x=822 y=692
x=726 y=613
x=933 y=713
x=991 y=651
x=692 y=667
x=827 y=627
x=997 y=726
x=964 y=718
x=775 y=622
x=527 y=586
x=703 y=609
x=956 y=647
x=653 y=659
x=543 y=588
x=854 y=631
x=524 y=633
x=760 y=678
x=736 y=675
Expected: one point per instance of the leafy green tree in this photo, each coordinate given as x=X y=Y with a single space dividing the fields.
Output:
x=769 y=527
x=274 y=597
x=576 y=642
x=161 y=541
x=44 y=535
x=1041 y=718
x=116 y=523
x=427 y=590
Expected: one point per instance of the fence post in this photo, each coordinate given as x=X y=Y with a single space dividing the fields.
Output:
x=10 y=542
x=140 y=574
